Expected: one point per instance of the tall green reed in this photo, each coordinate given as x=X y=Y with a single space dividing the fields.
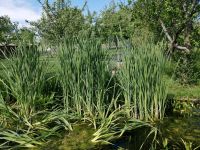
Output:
x=25 y=119
x=84 y=75
x=140 y=78
x=25 y=78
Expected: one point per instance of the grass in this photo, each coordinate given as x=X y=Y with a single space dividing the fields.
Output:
x=25 y=78
x=182 y=91
x=83 y=74
x=25 y=119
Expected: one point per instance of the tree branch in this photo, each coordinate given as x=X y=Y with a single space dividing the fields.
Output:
x=172 y=41
x=165 y=31
x=181 y=48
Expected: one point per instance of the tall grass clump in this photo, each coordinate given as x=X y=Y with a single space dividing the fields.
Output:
x=140 y=78
x=25 y=78
x=25 y=121
x=84 y=77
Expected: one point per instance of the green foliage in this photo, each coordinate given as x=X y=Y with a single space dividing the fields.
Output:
x=89 y=94
x=86 y=82
x=115 y=23
x=196 y=35
x=178 y=90
x=171 y=19
x=7 y=29
x=10 y=33
x=35 y=106
x=26 y=35
x=59 y=20
x=25 y=78
x=25 y=121
x=188 y=70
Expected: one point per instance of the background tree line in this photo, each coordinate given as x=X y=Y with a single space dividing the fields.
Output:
x=177 y=21
x=174 y=21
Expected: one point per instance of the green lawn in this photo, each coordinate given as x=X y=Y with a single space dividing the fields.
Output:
x=183 y=91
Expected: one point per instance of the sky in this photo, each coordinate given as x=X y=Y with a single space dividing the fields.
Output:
x=21 y=10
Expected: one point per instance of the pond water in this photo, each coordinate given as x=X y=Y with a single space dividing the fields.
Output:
x=187 y=128
x=176 y=132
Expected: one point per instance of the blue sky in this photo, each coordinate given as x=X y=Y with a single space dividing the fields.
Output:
x=21 y=10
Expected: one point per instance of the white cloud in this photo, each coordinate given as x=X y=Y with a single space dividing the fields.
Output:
x=19 y=10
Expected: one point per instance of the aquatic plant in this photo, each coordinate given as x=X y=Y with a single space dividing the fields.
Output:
x=25 y=78
x=25 y=121
x=89 y=93
x=140 y=78
x=84 y=76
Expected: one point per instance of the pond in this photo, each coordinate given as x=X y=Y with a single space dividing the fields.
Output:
x=175 y=132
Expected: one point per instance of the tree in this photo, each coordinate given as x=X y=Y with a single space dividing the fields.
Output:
x=116 y=22
x=7 y=30
x=196 y=34
x=173 y=19
x=25 y=34
x=59 y=19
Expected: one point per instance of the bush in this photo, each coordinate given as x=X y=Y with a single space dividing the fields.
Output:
x=188 y=67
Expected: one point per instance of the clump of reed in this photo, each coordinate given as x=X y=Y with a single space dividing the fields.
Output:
x=141 y=80
x=84 y=77
x=25 y=120
x=25 y=78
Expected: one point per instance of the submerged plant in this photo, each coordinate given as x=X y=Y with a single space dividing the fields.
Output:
x=184 y=144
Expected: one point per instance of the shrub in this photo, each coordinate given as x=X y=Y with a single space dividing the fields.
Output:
x=188 y=67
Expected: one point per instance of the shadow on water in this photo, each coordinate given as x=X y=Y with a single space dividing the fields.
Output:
x=176 y=131
x=173 y=130
x=133 y=140
x=182 y=128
